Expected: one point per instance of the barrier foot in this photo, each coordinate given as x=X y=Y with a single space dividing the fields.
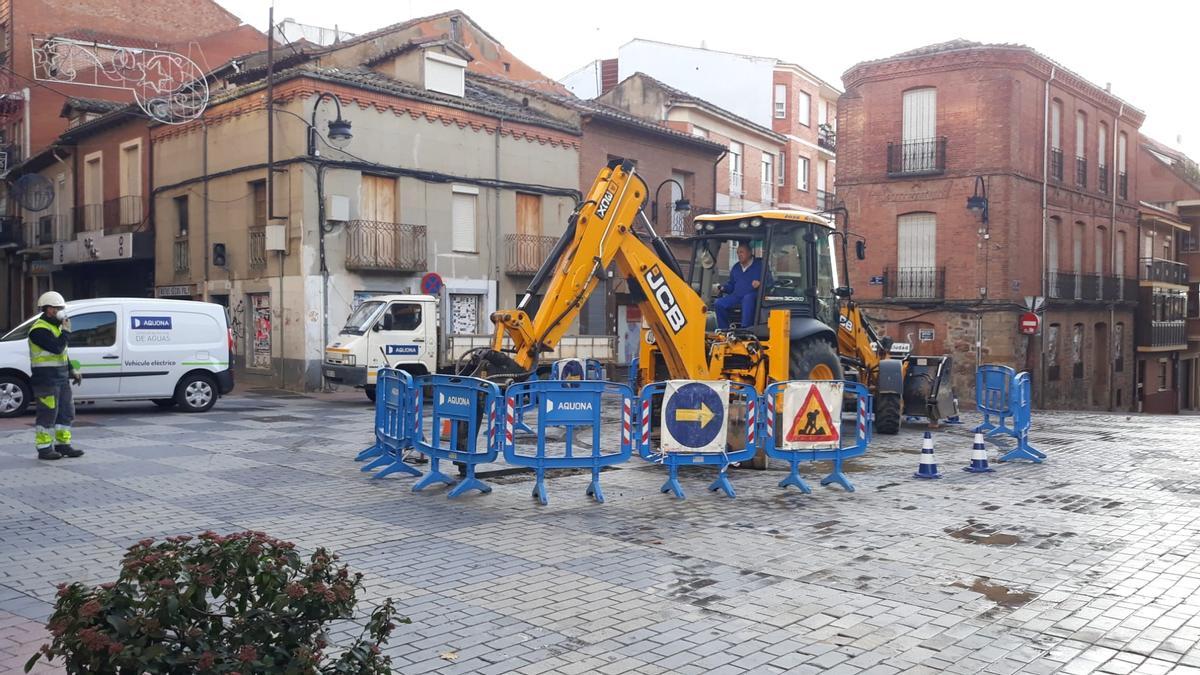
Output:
x=382 y=461
x=373 y=451
x=435 y=475
x=722 y=483
x=838 y=477
x=398 y=466
x=539 y=489
x=794 y=479
x=1024 y=452
x=1001 y=429
x=467 y=484
x=593 y=490
x=672 y=485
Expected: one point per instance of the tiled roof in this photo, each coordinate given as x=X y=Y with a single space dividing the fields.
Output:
x=683 y=97
x=92 y=105
x=598 y=109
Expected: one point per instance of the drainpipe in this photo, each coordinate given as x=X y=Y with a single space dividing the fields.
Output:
x=1045 y=225
x=717 y=163
x=204 y=160
x=497 y=236
x=320 y=168
x=1112 y=233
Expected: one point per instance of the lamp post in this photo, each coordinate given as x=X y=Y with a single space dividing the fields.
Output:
x=682 y=205
x=978 y=202
x=339 y=134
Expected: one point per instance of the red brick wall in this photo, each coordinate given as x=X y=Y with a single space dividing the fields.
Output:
x=791 y=126
x=657 y=157
x=109 y=143
x=990 y=109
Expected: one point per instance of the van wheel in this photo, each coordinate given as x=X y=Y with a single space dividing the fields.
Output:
x=370 y=389
x=15 y=396
x=165 y=402
x=196 y=393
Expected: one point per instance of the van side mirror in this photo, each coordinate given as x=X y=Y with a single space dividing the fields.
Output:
x=860 y=249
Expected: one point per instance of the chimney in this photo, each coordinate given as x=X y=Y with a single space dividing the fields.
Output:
x=608 y=75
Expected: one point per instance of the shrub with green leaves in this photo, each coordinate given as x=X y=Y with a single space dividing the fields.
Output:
x=242 y=603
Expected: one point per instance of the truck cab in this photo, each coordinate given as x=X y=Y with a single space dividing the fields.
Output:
x=396 y=331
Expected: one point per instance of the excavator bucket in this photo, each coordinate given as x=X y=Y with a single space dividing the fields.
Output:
x=927 y=388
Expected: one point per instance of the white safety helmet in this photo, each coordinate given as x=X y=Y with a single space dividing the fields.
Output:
x=51 y=299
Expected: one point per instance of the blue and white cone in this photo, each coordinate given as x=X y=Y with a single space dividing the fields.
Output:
x=979 y=461
x=928 y=468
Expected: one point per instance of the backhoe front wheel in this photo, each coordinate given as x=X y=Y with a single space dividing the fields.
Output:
x=814 y=359
x=887 y=413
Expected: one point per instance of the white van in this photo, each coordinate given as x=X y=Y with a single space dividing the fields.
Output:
x=172 y=352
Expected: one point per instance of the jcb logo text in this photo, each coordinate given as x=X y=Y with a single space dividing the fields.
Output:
x=665 y=299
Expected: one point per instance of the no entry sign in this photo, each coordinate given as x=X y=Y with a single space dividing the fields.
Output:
x=1029 y=323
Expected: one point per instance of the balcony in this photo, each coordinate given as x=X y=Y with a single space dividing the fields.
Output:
x=180 y=256
x=256 y=250
x=1102 y=179
x=915 y=283
x=374 y=246
x=1118 y=289
x=735 y=184
x=1081 y=171
x=123 y=214
x=10 y=231
x=767 y=191
x=1164 y=335
x=1056 y=164
x=50 y=229
x=1123 y=185
x=825 y=200
x=525 y=253
x=917 y=158
x=1165 y=271
x=1061 y=285
x=827 y=137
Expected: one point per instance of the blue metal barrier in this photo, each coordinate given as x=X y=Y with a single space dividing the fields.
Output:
x=993 y=397
x=633 y=374
x=864 y=410
x=577 y=369
x=459 y=409
x=395 y=420
x=740 y=393
x=1022 y=410
x=568 y=405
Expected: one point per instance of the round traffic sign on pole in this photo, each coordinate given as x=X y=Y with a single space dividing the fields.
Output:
x=1029 y=323
x=431 y=283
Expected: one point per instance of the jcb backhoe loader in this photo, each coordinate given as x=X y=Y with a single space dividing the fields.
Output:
x=794 y=333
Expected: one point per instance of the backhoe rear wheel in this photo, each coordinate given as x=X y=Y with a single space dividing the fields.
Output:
x=887 y=413
x=814 y=359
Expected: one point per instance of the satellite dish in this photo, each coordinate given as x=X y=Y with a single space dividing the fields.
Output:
x=33 y=191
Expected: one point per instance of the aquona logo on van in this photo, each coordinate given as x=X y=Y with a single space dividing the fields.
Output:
x=605 y=202
x=666 y=299
x=150 y=322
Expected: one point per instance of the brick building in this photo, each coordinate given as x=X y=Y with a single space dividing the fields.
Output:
x=1168 y=323
x=43 y=126
x=923 y=131
x=804 y=110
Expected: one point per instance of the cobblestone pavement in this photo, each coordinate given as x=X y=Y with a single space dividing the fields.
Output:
x=1085 y=563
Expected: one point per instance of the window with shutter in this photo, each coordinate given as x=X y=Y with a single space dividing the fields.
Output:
x=444 y=74
x=803 y=109
x=802 y=173
x=780 y=101
x=916 y=256
x=463 y=224
x=529 y=214
x=919 y=130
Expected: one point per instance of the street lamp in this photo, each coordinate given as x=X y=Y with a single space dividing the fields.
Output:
x=682 y=205
x=339 y=129
x=978 y=202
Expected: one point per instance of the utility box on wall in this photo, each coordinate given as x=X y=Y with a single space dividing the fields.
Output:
x=275 y=238
x=337 y=208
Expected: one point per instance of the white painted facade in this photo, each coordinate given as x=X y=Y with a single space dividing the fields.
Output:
x=741 y=84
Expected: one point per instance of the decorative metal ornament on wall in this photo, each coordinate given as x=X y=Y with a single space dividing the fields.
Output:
x=169 y=87
x=33 y=191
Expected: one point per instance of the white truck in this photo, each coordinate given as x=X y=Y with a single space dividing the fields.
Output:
x=403 y=331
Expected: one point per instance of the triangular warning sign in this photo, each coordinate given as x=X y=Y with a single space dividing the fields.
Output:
x=813 y=424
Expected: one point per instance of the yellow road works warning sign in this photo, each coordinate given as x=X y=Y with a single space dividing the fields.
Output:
x=813 y=414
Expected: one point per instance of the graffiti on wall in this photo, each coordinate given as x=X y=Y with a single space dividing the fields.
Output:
x=260 y=352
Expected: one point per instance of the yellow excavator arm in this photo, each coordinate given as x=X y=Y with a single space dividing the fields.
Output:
x=601 y=234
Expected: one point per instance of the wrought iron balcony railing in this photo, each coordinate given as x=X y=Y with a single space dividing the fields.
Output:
x=1102 y=179
x=917 y=158
x=915 y=283
x=525 y=253
x=180 y=257
x=386 y=247
x=1056 y=164
x=827 y=137
x=1081 y=171
x=1166 y=271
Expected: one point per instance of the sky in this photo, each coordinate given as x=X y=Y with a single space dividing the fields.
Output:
x=1146 y=49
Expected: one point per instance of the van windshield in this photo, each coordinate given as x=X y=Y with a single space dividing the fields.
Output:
x=20 y=332
x=360 y=321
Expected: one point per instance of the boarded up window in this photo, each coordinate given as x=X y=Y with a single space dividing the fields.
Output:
x=917 y=241
x=529 y=214
x=378 y=201
x=258 y=213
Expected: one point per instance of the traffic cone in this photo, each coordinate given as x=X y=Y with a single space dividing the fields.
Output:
x=979 y=462
x=928 y=467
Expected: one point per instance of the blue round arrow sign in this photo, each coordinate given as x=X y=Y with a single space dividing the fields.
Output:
x=694 y=414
